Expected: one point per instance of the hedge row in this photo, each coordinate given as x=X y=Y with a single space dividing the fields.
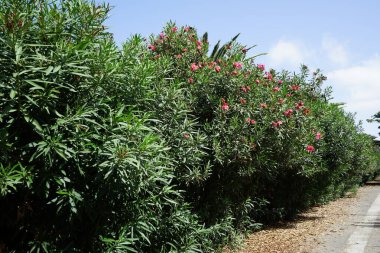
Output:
x=162 y=145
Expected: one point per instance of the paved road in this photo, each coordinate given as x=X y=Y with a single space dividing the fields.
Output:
x=360 y=232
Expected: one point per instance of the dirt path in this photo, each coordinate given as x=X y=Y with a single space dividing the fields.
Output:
x=334 y=227
x=359 y=232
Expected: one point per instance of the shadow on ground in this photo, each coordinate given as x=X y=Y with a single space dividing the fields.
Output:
x=376 y=181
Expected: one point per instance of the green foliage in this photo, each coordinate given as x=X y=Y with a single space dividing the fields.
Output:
x=79 y=170
x=375 y=118
x=157 y=146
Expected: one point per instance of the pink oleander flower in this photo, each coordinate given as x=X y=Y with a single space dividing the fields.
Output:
x=257 y=81
x=253 y=121
x=187 y=28
x=248 y=120
x=275 y=89
x=244 y=89
x=268 y=76
x=289 y=95
x=225 y=107
x=194 y=67
x=288 y=113
x=263 y=105
x=184 y=50
x=174 y=29
x=248 y=88
x=237 y=65
x=299 y=105
x=199 y=43
x=295 y=87
x=190 y=80
x=199 y=47
x=276 y=124
x=318 y=136
x=178 y=56
x=234 y=73
x=310 y=149
x=162 y=35
x=261 y=66
x=217 y=69
x=279 y=81
x=151 y=47
x=186 y=136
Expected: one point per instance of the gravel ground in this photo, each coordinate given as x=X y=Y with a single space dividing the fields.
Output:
x=310 y=232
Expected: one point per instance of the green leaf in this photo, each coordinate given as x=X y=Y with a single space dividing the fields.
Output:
x=12 y=94
x=49 y=70
x=37 y=125
x=18 y=51
x=35 y=86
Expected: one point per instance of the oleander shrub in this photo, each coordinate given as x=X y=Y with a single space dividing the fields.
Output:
x=274 y=143
x=162 y=145
x=80 y=169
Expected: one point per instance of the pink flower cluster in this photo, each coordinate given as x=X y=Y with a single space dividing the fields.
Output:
x=245 y=89
x=224 y=106
x=199 y=45
x=237 y=65
x=288 y=113
x=250 y=121
x=268 y=76
x=194 y=67
x=299 y=105
x=277 y=124
x=295 y=87
x=261 y=66
x=310 y=149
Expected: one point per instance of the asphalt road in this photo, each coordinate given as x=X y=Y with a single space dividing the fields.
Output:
x=360 y=232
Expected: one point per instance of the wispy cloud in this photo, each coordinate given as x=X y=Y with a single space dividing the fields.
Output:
x=362 y=82
x=357 y=84
x=286 y=54
x=336 y=52
x=359 y=87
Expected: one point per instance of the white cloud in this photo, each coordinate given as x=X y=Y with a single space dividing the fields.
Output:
x=335 y=51
x=355 y=84
x=286 y=54
x=359 y=87
x=361 y=81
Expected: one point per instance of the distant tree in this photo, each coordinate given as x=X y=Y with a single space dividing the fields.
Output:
x=375 y=118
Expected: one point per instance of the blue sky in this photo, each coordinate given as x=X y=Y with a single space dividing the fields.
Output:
x=338 y=36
